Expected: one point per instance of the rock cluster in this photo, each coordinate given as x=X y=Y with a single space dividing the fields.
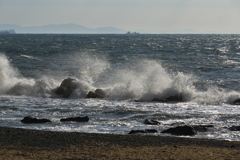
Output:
x=30 y=119
x=69 y=86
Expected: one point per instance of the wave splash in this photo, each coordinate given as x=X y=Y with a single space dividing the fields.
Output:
x=13 y=83
x=143 y=80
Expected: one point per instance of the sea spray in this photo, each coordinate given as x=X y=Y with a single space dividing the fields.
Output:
x=146 y=79
x=9 y=76
x=87 y=66
x=13 y=83
x=141 y=80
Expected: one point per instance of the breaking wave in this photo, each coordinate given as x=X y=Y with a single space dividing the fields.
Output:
x=142 y=80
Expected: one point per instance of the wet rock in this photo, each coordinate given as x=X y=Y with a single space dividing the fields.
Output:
x=101 y=93
x=236 y=102
x=67 y=87
x=174 y=98
x=181 y=130
x=143 y=131
x=234 y=128
x=75 y=119
x=91 y=95
x=151 y=122
x=29 y=119
x=98 y=93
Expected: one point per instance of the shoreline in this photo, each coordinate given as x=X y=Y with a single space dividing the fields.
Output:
x=33 y=144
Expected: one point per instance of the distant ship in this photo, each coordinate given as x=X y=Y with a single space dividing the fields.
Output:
x=10 y=31
x=132 y=32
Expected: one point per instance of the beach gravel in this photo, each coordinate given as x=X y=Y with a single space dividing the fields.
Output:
x=31 y=144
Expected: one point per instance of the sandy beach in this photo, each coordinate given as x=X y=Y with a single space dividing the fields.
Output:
x=31 y=144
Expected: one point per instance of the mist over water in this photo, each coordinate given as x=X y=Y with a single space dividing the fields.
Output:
x=132 y=70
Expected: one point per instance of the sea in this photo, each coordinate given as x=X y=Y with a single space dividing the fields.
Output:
x=133 y=70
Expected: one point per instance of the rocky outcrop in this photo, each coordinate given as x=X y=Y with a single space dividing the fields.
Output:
x=67 y=87
x=75 y=119
x=29 y=119
x=98 y=93
x=143 y=131
x=181 y=130
x=151 y=122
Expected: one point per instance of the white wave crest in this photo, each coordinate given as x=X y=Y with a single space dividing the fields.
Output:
x=142 y=80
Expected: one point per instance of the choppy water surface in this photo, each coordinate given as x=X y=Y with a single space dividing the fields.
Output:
x=133 y=70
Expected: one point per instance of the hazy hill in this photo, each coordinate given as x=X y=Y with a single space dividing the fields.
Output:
x=61 y=28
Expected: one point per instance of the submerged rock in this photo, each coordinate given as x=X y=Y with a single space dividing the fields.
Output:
x=66 y=88
x=151 y=122
x=75 y=119
x=98 y=93
x=29 y=119
x=181 y=130
x=143 y=131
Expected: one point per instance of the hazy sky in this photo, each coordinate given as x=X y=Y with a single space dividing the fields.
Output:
x=136 y=15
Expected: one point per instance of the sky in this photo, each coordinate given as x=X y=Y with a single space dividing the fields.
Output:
x=201 y=16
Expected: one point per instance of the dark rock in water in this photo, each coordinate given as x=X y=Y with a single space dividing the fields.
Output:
x=181 y=130
x=29 y=119
x=174 y=98
x=236 y=102
x=66 y=88
x=151 y=122
x=234 y=128
x=75 y=119
x=101 y=93
x=143 y=131
x=91 y=95
x=98 y=93
x=202 y=128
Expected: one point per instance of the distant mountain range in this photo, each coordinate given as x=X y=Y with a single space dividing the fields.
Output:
x=61 y=28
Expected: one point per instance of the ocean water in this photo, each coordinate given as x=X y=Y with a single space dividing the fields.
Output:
x=133 y=70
